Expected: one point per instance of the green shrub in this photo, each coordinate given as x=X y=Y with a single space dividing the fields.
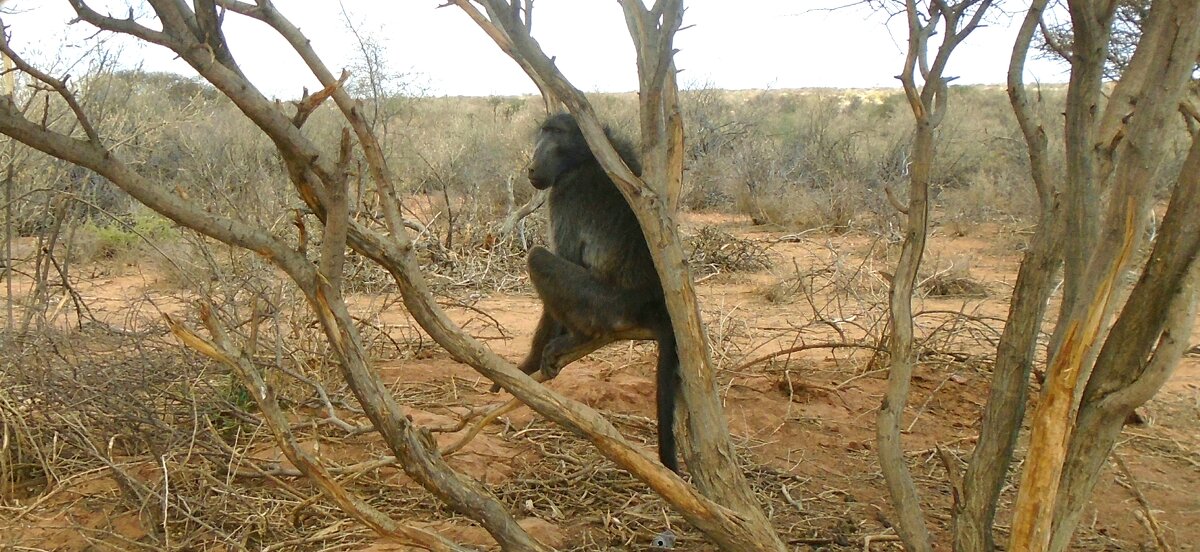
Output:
x=126 y=236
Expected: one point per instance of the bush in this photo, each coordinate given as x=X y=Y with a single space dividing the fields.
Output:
x=806 y=159
x=126 y=236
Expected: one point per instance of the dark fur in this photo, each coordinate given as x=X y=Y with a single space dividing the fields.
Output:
x=599 y=284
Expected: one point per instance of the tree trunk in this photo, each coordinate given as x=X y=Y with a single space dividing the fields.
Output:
x=900 y=485
x=928 y=104
x=1001 y=424
x=974 y=516
x=1142 y=349
x=1108 y=376
x=1081 y=194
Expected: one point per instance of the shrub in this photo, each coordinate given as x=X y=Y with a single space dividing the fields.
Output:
x=126 y=236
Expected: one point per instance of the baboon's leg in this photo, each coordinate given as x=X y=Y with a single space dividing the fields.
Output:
x=583 y=304
x=591 y=314
x=547 y=329
x=568 y=348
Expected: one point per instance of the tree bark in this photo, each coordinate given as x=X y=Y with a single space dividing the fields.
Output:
x=1125 y=149
x=987 y=470
x=1054 y=417
x=1144 y=344
x=903 y=491
x=1082 y=191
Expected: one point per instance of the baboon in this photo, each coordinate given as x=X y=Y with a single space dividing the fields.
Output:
x=598 y=283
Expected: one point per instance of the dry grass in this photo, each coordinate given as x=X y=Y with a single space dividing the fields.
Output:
x=165 y=451
x=714 y=251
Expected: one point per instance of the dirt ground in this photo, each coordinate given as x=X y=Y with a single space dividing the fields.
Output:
x=804 y=421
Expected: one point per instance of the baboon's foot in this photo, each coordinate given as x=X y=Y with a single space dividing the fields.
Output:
x=550 y=369
x=527 y=367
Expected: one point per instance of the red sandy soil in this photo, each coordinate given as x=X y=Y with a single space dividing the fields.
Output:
x=812 y=416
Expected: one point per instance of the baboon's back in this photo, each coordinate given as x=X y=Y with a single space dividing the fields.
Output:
x=592 y=225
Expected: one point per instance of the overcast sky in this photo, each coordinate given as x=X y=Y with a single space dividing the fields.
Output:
x=736 y=45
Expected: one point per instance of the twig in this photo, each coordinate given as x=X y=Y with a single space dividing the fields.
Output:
x=867 y=540
x=1149 y=520
x=806 y=347
x=953 y=474
x=488 y=418
x=519 y=214
x=891 y=197
x=8 y=238
x=221 y=349
x=59 y=86
x=866 y=374
x=788 y=497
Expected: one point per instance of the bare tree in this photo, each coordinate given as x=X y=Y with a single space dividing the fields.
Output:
x=928 y=99
x=726 y=510
x=1106 y=358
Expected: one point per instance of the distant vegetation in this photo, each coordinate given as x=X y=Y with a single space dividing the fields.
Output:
x=798 y=159
x=793 y=159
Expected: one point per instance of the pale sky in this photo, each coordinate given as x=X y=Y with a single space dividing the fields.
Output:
x=734 y=45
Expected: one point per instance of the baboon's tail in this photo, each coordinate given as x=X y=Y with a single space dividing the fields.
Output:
x=668 y=392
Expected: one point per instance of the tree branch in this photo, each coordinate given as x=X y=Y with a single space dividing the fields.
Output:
x=928 y=103
x=59 y=86
x=1015 y=353
x=124 y=26
x=222 y=350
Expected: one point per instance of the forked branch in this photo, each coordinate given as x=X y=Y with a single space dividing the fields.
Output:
x=928 y=101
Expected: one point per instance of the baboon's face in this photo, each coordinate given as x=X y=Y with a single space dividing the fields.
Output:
x=559 y=148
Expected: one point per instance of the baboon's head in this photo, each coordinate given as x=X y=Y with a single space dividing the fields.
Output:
x=559 y=148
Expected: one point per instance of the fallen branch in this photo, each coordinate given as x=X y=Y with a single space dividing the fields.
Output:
x=807 y=347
